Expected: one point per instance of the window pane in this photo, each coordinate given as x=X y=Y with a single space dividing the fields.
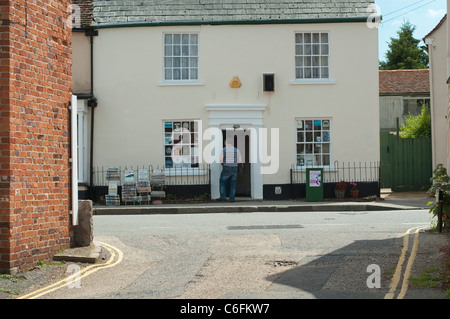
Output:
x=176 y=74
x=194 y=62
x=308 y=73
x=299 y=73
x=194 y=74
x=185 y=74
x=308 y=60
x=318 y=160
x=307 y=37
x=308 y=125
x=324 y=37
x=315 y=60
x=185 y=50
x=176 y=50
x=167 y=38
x=176 y=62
x=299 y=38
x=326 y=148
x=300 y=137
x=194 y=50
x=194 y=38
x=316 y=49
x=168 y=74
x=167 y=62
x=315 y=38
x=326 y=159
x=308 y=148
x=317 y=137
x=324 y=73
x=324 y=61
x=298 y=61
x=324 y=49
x=299 y=49
x=316 y=73
x=185 y=38
x=309 y=137
x=185 y=62
x=167 y=50
x=177 y=38
x=307 y=49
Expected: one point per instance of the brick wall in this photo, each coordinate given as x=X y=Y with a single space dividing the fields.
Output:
x=35 y=89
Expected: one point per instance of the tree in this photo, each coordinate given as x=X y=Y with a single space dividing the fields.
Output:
x=417 y=126
x=404 y=52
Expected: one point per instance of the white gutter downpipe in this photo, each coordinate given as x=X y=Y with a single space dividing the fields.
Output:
x=74 y=144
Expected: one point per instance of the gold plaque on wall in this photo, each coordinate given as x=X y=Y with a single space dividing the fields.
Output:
x=235 y=83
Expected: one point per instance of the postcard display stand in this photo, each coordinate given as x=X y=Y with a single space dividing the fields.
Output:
x=143 y=187
x=158 y=182
x=129 y=187
x=113 y=178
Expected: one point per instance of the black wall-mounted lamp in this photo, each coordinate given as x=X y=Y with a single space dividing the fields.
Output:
x=269 y=82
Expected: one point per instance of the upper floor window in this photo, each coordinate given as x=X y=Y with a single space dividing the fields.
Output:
x=180 y=57
x=312 y=55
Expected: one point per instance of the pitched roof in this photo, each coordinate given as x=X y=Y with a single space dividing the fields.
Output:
x=400 y=82
x=114 y=11
x=436 y=27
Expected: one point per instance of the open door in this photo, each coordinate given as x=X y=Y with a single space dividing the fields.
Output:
x=242 y=143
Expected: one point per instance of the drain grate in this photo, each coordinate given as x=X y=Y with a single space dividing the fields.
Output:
x=252 y=227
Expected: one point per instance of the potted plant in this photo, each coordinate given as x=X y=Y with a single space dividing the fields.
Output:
x=339 y=191
x=354 y=191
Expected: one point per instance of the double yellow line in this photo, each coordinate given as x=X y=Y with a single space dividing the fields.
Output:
x=81 y=274
x=398 y=271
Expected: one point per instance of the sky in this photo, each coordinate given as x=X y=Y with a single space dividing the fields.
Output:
x=424 y=14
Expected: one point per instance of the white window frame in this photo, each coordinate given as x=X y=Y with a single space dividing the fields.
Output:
x=313 y=142
x=82 y=140
x=312 y=58
x=180 y=57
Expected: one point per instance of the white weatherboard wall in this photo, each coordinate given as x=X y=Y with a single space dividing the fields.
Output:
x=133 y=101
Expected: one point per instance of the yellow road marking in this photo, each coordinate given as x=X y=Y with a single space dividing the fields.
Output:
x=412 y=257
x=86 y=271
x=398 y=270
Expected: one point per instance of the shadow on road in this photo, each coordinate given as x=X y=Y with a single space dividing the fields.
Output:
x=342 y=273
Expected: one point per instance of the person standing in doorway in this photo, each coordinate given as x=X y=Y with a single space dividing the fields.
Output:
x=230 y=158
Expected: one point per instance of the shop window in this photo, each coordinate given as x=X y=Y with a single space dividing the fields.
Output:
x=313 y=143
x=181 y=143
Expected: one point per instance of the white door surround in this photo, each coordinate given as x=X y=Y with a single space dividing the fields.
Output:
x=223 y=116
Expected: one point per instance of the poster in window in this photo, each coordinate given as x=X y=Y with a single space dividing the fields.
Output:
x=326 y=124
x=315 y=178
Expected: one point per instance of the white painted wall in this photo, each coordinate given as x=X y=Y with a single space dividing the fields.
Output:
x=128 y=70
x=439 y=94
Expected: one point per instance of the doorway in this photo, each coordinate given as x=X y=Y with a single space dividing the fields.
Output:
x=242 y=143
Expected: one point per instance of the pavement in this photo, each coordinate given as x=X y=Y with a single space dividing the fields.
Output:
x=387 y=201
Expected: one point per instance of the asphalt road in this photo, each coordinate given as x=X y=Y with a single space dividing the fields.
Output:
x=309 y=255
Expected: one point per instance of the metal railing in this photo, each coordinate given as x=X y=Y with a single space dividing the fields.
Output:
x=173 y=175
x=345 y=171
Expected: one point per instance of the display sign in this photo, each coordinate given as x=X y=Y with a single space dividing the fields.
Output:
x=314 y=184
x=315 y=178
